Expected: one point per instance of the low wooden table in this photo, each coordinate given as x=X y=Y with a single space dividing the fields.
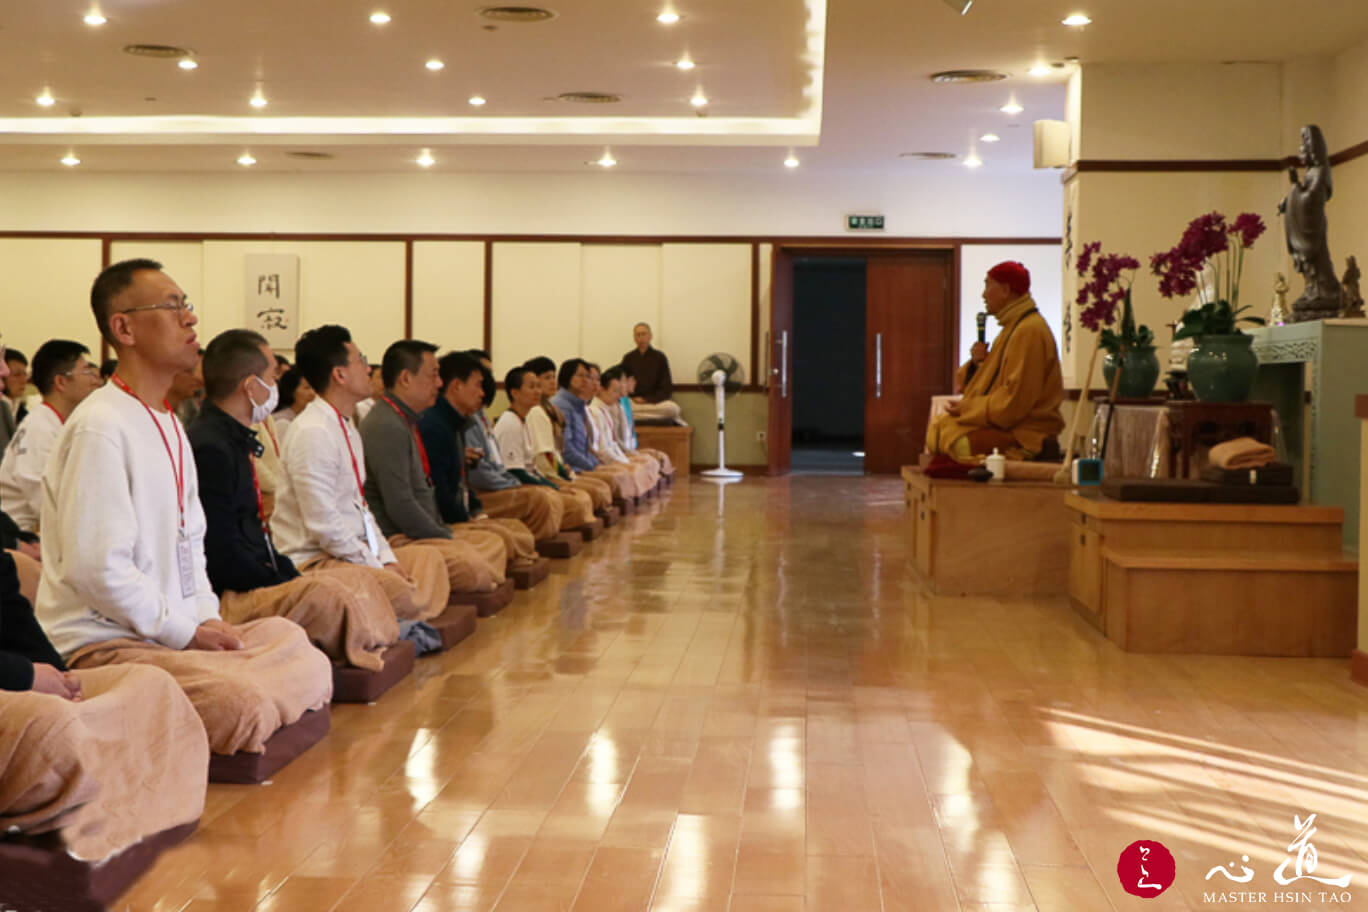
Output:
x=1193 y=424
x=1214 y=579
x=672 y=440
x=976 y=538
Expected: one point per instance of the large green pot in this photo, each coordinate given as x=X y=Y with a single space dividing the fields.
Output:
x=1139 y=372
x=1221 y=368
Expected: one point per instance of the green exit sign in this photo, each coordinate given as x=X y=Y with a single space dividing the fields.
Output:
x=864 y=223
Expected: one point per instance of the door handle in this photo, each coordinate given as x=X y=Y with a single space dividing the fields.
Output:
x=783 y=364
x=878 y=365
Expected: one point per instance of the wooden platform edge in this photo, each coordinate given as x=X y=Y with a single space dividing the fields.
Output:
x=1105 y=508
x=1358 y=667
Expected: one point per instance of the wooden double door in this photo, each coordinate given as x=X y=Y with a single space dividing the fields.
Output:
x=909 y=351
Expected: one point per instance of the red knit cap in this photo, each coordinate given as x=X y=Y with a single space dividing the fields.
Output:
x=1012 y=274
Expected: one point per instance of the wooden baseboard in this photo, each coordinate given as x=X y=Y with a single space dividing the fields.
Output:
x=1358 y=667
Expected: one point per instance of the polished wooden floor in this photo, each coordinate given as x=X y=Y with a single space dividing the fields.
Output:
x=754 y=706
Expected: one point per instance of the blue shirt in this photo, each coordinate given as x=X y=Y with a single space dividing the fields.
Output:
x=577 y=454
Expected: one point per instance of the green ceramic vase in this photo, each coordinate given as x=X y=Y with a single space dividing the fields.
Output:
x=1221 y=368
x=1139 y=372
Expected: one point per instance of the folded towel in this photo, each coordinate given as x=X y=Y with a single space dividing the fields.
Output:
x=1242 y=453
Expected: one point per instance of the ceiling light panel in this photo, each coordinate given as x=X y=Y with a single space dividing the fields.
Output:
x=70 y=160
x=380 y=17
x=1077 y=20
x=668 y=17
x=94 y=18
x=434 y=65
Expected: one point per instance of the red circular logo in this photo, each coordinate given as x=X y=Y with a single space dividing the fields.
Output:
x=1146 y=868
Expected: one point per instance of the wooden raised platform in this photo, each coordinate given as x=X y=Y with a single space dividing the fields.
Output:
x=1213 y=579
x=976 y=538
x=674 y=441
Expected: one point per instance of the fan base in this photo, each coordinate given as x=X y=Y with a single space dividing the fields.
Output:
x=721 y=473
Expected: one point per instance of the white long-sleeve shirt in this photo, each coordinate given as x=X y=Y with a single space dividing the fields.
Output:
x=602 y=439
x=21 y=471
x=320 y=509
x=112 y=538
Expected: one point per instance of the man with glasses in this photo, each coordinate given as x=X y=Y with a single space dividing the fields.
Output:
x=124 y=576
x=65 y=377
x=323 y=517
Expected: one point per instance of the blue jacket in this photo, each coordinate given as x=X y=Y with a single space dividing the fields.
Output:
x=577 y=453
x=443 y=431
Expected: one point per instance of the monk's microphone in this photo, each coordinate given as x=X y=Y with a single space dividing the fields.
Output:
x=981 y=319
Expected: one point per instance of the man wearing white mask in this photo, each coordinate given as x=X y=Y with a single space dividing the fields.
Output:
x=343 y=610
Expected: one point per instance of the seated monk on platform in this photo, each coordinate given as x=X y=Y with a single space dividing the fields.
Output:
x=1012 y=402
x=651 y=401
x=106 y=756
x=572 y=401
x=607 y=389
x=399 y=482
x=546 y=429
x=344 y=612
x=455 y=452
x=64 y=377
x=514 y=440
x=124 y=576
x=322 y=518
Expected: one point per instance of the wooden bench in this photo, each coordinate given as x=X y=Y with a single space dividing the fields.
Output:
x=976 y=538
x=1215 y=579
x=672 y=440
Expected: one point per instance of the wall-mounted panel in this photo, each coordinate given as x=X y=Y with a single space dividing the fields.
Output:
x=358 y=284
x=621 y=287
x=45 y=292
x=536 y=302
x=448 y=293
x=706 y=305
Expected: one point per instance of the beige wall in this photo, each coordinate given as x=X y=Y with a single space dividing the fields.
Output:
x=45 y=290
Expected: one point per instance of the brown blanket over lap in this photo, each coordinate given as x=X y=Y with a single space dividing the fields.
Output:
x=344 y=612
x=126 y=762
x=242 y=696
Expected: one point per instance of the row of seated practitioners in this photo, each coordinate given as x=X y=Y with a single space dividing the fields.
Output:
x=199 y=584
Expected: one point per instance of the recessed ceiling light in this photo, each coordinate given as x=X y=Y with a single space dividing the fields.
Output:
x=426 y=159
x=684 y=63
x=379 y=18
x=1040 y=69
x=434 y=64
x=961 y=76
x=70 y=160
x=187 y=63
x=973 y=161
x=791 y=162
x=668 y=18
x=246 y=160
x=478 y=101
x=1011 y=107
x=607 y=161
x=699 y=100
x=1077 y=20
x=258 y=101
x=46 y=99
x=990 y=138
x=94 y=18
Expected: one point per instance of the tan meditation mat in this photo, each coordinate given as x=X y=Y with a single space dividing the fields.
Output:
x=473 y=563
x=345 y=613
x=126 y=762
x=1241 y=453
x=243 y=696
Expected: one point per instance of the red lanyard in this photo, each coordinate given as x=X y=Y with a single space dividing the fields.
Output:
x=178 y=470
x=60 y=419
x=356 y=469
x=417 y=438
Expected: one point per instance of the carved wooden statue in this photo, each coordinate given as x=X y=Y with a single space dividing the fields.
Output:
x=1304 y=220
x=1353 y=298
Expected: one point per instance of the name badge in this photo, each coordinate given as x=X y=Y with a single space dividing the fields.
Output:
x=372 y=537
x=185 y=560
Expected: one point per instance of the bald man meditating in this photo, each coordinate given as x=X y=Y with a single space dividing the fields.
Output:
x=1012 y=402
x=124 y=572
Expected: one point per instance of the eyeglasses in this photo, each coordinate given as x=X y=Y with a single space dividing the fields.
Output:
x=182 y=307
x=89 y=370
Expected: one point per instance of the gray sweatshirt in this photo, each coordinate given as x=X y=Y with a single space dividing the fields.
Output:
x=398 y=490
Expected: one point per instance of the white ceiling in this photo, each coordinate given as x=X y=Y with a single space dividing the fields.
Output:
x=339 y=84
